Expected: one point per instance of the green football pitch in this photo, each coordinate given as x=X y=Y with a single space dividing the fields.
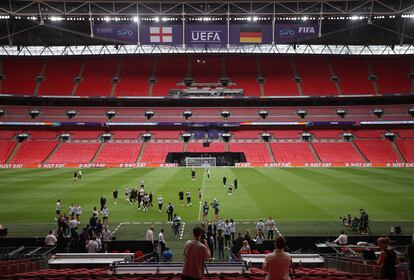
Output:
x=303 y=201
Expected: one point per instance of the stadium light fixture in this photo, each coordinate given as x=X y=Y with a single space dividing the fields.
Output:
x=135 y=19
x=107 y=19
x=56 y=18
x=249 y=18
x=156 y=19
x=255 y=18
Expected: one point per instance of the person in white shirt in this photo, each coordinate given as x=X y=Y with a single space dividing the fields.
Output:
x=78 y=211
x=58 y=209
x=50 y=239
x=161 y=241
x=106 y=237
x=342 y=239
x=208 y=174
x=260 y=226
x=232 y=229
x=149 y=236
x=160 y=202
x=278 y=263
x=196 y=253
x=71 y=210
x=270 y=227
x=105 y=213
x=73 y=226
x=80 y=175
x=92 y=246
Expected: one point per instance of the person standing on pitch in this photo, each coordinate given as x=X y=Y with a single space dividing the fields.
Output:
x=270 y=223
x=235 y=184
x=160 y=201
x=193 y=174
x=170 y=211
x=208 y=174
x=205 y=212
x=188 y=196
x=224 y=181
x=58 y=210
x=103 y=202
x=216 y=207
x=79 y=174
x=115 y=195
x=161 y=241
x=105 y=213
x=200 y=194
x=196 y=252
x=181 y=197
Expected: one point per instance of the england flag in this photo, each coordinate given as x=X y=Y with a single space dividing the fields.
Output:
x=161 y=34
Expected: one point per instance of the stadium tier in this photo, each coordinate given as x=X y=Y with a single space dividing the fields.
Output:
x=299 y=153
x=33 y=152
x=6 y=148
x=337 y=152
x=74 y=153
x=156 y=75
x=118 y=153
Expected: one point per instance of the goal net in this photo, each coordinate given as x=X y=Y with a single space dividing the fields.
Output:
x=200 y=161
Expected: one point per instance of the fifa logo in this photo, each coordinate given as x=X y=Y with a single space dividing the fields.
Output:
x=307 y=29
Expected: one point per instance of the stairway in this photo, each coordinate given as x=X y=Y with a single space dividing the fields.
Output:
x=269 y=149
x=185 y=147
x=141 y=152
x=332 y=72
x=295 y=73
x=97 y=152
x=374 y=82
x=16 y=148
x=398 y=152
x=226 y=147
x=315 y=154
x=359 y=152
x=82 y=69
x=41 y=74
x=117 y=75
x=52 y=152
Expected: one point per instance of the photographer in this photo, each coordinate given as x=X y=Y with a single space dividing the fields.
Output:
x=196 y=252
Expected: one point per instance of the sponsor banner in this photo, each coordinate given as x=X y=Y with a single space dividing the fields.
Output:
x=162 y=34
x=241 y=34
x=211 y=35
x=295 y=32
x=126 y=33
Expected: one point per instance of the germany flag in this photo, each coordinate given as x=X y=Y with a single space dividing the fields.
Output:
x=251 y=34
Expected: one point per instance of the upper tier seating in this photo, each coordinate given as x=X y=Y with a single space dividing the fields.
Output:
x=166 y=134
x=60 y=75
x=243 y=71
x=353 y=75
x=206 y=69
x=404 y=133
x=170 y=71
x=326 y=133
x=34 y=151
x=85 y=134
x=292 y=152
x=126 y=134
x=157 y=152
x=315 y=75
x=286 y=134
x=74 y=153
x=392 y=74
x=135 y=72
x=337 y=152
x=379 y=151
x=20 y=75
x=97 y=77
x=278 y=74
x=6 y=148
x=215 y=147
x=43 y=134
x=119 y=153
x=406 y=148
x=368 y=133
x=254 y=152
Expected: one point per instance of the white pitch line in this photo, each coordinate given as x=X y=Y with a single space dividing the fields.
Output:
x=120 y=224
x=182 y=231
x=202 y=194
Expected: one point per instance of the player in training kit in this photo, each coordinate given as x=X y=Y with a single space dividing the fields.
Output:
x=208 y=174
x=181 y=196
x=206 y=208
x=105 y=213
x=127 y=192
x=142 y=183
x=216 y=207
x=80 y=175
x=188 y=196
x=230 y=189
x=200 y=194
x=224 y=181
x=193 y=174
x=78 y=211
x=160 y=202
x=115 y=195
x=71 y=210
x=58 y=209
x=103 y=202
x=150 y=199
x=235 y=184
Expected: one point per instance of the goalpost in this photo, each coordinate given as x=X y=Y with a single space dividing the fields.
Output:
x=200 y=161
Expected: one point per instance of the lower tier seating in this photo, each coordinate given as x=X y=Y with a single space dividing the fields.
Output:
x=337 y=152
x=254 y=152
x=6 y=148
x=119 y=153
x=292 y=152
x=157 y=152
x=406 y=148
x=377 y=150
x=34 y=151
x=74 y=153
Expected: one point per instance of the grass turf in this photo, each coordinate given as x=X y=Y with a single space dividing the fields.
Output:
x=303 y=201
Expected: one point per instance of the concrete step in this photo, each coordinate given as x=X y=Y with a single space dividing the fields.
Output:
x=141 y=152
x=53 y=152
x=359 y=152
x=98 y=152
x=269 y=149
x=315 y=154
x=398 y=152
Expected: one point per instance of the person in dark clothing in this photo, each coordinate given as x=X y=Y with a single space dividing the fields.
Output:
x=238 y=243
x=93 y=221
x=220 y=242
x=387 y=259
x=170 y=211
x=224 y=181
x=235 y=184
x=99 y=227
x=150 y=199
x=181 y=197
x=212 y=230
x=115 y=195
x=410 y=256
x=103 y=202
x=210 y=243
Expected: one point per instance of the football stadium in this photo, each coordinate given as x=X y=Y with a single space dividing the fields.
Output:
x=166 y=140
